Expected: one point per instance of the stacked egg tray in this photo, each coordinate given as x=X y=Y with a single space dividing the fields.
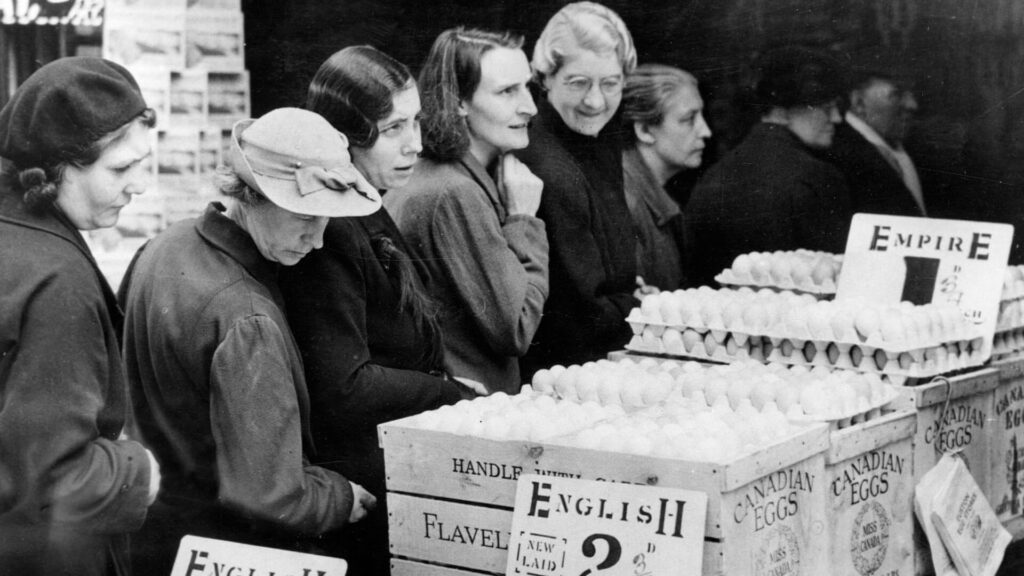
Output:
x=764 y=403
x=833 y=336
x=1009 y=333
x=802 y=271
x=840 y=398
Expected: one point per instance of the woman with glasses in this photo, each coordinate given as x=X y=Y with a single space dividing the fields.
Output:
x=773 y=191
x=580 y=62
x=469 y=212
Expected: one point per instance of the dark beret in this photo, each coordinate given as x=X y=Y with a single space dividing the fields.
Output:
x=64 y=107
x=798 y=76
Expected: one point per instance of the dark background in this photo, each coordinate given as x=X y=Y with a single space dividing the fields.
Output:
x=965 y=59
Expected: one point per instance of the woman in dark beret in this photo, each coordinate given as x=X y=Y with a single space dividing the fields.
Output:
x=74 y=137
x=773 y=191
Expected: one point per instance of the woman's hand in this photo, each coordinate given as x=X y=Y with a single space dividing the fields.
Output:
x=362 y=503
x=643 y=289
x=477 y=388
x=522 y=189
x=154 y=478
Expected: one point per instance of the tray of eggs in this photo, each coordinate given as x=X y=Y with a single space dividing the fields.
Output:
x=729 y=325
x=802 y=271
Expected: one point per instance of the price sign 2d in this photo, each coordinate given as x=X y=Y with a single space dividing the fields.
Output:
x=199 y=556
x=923 y=260
x=570 y=527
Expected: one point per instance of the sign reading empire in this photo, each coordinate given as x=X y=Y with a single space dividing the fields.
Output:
x=52 y=12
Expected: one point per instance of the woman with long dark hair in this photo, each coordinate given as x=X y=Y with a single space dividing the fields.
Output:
x=367 y=330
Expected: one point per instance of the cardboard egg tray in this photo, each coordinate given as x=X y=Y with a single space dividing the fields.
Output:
x=1008 y=342
x=840 y=420
x=1011 y=314
x=722 y=346
x=741 y=336
x=826 y=289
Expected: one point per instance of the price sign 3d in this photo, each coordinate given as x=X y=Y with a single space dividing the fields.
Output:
x=570 y=527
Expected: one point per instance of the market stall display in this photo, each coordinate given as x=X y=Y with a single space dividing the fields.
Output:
x=763 y=500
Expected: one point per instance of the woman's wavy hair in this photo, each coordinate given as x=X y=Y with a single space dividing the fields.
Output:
x=355 y=88
x=38 y=185
x=647 y=91
x=450 y=75
x=581 y=25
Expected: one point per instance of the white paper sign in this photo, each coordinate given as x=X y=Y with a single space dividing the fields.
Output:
x=922 y=260
x=570 y=527
x=208 y=557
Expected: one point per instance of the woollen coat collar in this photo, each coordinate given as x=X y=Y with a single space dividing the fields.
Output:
x=224 y=234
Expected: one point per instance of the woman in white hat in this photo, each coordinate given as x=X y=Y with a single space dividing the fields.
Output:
x=216 y=378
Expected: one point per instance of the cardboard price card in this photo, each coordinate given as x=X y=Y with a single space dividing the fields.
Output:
x=923 y=260
x=569 y=527
x=209 y=557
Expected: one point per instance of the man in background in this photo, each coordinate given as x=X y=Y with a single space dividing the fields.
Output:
x=868 y=148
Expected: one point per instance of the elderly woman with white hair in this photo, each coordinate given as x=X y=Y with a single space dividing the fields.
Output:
x=580 y=62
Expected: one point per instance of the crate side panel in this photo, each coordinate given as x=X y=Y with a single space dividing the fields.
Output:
x=870 y=511
x=432 y=530
x=1007 y=458
x=776 y=524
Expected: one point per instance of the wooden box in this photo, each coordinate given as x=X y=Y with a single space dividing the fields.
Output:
x=868 y=471
x=1007 y=475
x=967 y=425
x=450 y=498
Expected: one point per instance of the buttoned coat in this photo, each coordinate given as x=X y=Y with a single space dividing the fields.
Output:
x=769 y=193
x=593 y=242
x=487 y=268
x=220 y=396
x=70 y=489
x=875 y=185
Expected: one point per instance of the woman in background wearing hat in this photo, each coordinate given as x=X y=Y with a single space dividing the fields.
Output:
x=772 y=192
x=74 y=136
x=469 y=212
x=217 y=381
x=367 y=330
x=581 y=61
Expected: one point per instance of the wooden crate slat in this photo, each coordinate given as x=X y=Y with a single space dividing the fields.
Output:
x=870 y=435
x=400 y=567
